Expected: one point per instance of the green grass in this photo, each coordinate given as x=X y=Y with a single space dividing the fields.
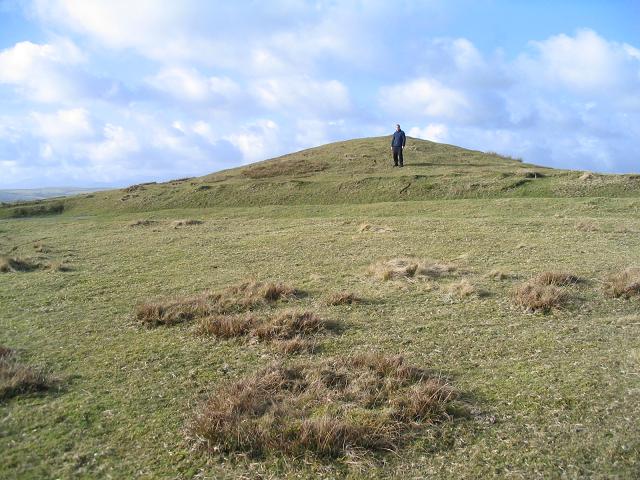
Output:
x=549 y=395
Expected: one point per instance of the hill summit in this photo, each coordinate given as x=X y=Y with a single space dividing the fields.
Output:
x=361 y=171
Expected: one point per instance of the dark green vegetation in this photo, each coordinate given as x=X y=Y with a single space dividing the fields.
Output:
x=540 y=394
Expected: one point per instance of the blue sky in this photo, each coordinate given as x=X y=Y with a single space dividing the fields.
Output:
x=113 y=92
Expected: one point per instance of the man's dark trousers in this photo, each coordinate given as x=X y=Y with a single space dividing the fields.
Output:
x=397 y=156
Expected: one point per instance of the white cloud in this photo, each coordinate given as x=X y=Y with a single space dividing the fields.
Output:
x=190 y=85
x=117 y=143
x=39 y=70
x=300 y=93
x=436 y=132
x=257 y=140
x=64 y=124
x=424 y=97
x=585 y=62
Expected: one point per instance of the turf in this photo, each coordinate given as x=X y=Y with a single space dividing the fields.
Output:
x=545 y=395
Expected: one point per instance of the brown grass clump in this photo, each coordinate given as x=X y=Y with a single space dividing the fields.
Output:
x=498 y=274
x=587 y=226
x=625 y=283
x=342 y=298
x=291 y=324
x=297 y=344
x=10 y=264
x=186 y=223
x=252 y=292
x=58 y=266
x=366 y=227
x=461 y=289
x=5 y=265
x=586 y=176
x=331 y=408
x=408 y=267
x=242 y=297
x=543 y=298
x=41 y=247
x=556 y=278
x=142 y=223
x=17 y=378
x=169 y=312
x=227 y=326
x=545 y=291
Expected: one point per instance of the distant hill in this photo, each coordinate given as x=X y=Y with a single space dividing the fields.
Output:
x=18 y=195
x=358 y=171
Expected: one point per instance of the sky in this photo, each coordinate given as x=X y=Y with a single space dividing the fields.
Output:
x=115 y=92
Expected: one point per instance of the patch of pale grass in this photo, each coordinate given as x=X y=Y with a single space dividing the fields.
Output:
x=498 y=274
x=587 y=226
x=367 y=227
x=407 y=267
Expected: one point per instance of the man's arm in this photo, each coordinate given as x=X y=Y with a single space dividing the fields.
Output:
x=404 y=139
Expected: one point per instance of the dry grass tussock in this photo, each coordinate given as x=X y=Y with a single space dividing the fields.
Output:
x=342 y=298
x=58 y=266
x=285 y=325
x=367 y=227
x=404 y=267
x=297 y=344
x=17 y=378
x=142 y=223
x=498 y=274
x=12 y=264
x=556 y=278
x=242 y=297
x=587 y=226
x=625 y=283
x=185 y=223
x=338 y=406
x=544 y=292
x=461 y=289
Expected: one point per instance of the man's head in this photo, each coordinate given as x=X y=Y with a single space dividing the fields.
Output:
x=397 y=126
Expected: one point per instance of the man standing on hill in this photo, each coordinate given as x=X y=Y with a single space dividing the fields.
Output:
x=397 y=145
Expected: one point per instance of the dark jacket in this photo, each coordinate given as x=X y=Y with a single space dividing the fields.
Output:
x=398 y=139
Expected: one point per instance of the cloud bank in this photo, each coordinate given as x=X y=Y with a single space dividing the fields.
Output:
x=121 y=92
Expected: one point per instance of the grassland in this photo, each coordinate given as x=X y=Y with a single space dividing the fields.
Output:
x=542 y=395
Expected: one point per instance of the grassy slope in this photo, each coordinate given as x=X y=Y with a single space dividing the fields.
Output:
x=358 y=171
x=562 y=388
